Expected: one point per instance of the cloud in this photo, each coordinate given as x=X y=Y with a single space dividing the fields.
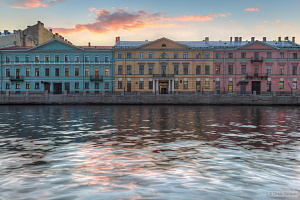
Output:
x=277 y=21
x=120 y=19
x=30 y=4
x=251 y=10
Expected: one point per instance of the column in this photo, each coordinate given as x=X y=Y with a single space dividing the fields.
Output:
x=173 y=86
x=153 y=86
x=157 y=86
x=169 y=87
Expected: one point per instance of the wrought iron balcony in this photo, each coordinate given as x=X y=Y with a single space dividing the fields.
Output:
x=257 y=59
x=16 y=78
x=163 y=75
x=96 y=78
x=257 y=75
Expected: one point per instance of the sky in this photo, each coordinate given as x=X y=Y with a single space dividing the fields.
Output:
x=101 y=21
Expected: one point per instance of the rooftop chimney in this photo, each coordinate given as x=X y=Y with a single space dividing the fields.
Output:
x=206 y=39
x=118 y=39
x=230 y=39
x=236 y=39
x=252 y=39
x=293 y=39
x=25 y=40
x=279 y=39
x=89 y=44
x=5 y=32
x=286 y=38
x=50 y=30
x=240 y=39
x=264 y=39
x=39 y=22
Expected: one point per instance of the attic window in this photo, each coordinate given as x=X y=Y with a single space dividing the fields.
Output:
x=163 y=45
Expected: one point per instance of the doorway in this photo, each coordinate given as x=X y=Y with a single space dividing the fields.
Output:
x=163 y=87
x=67 y=87
x=128 y=86
x=243 y=89
x=57 y=88
x=47 y=86
x=256 y=87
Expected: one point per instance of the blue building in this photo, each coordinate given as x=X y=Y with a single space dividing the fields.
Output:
x=57 y=67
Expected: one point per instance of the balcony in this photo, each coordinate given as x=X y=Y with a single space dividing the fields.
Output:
x=96 y=78
x=257 y=59
x=163 y=75
x=16 y=78
x=256 y=75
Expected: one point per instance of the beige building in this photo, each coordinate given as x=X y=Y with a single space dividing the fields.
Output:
x=163 y=66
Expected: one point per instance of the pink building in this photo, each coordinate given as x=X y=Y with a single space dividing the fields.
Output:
x=256 y=66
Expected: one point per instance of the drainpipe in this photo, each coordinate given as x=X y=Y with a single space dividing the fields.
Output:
x=224 y=67
x=289 y=72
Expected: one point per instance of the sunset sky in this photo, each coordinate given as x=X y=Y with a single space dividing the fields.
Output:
x=100 y=21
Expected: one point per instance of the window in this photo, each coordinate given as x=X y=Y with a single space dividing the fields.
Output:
x=150 y=55
x=120 y=55
x=218 y=55
x=217 y=84
x=7 y=72
x=56 y=71
x=163 y=45
x=36 y=58
x=47 y=72
x=176 y=69
x=281 y=84
x=18 y=85
x=67 y=72
x=185 y=85
x=294 y=70
x=198 y=55
x=27 y=85
x=67 y=58
x=86 y=85
x=230 y=55
x=86 y=72
x=150 y=69
x=207 y=72
x=106 y=58
x=150 y=85
x=7 y=86
x=163 y=56
x=217 y=69
x=176 y=85
x=185 y=69
x=36 y=72
x=86 y=58
x=295 y=55
x=198 y=70
x=106 y=71
x=17 y=59
x=106 y=85
x=141 y=85
x=76 y=85
x=76 y=58
x=141 y=55
x=243 y=55
x=37 y=85
x=76 y=71
x=256 y=55
x=230 y=69
x=97 y=59
x=269 y=54
x=27 y=72
x=176 y=55
x=129 y=69
x=7 y=58
x=281 y=55
x=206 y=55
x=27 y=58
x=207 y=84
x=281 y=70
x=47 y=58
x=294 y=85
x=120 y=85
x=97 y=85
x=185 y=55
x=269 y=69
x=141 y=69
x=129 y=55
x=120 y=69
x=269 y=86
x=243 y=69
x=56 y=57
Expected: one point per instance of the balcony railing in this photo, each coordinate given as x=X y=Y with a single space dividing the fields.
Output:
x=56 y=62
x=257 y=75
x=96 y=78
x=16 y=78
x=257 y=59
x=163 y=75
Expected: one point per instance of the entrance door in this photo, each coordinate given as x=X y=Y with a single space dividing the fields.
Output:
x=198 y=86
x=128 y=86
x=47 y=86
x=256 y=87
x=67 y=87
x=163 y=87
x=243 y=90
x=57 y=88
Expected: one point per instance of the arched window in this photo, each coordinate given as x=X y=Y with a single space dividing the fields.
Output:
x=164 y=45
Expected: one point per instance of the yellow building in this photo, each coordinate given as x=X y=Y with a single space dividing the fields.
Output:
x=163 y=66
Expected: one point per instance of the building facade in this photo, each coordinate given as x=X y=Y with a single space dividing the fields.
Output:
x=57 y=67
x=163 y=66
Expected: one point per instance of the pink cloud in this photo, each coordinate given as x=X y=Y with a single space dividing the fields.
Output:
x=278 y=21
x=124 y=20
x=30 y=4
x=251 y=10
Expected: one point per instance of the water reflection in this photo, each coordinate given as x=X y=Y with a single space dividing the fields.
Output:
x=155 y=152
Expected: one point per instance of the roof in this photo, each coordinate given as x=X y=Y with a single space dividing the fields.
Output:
x=96 y=47
x=16 y=47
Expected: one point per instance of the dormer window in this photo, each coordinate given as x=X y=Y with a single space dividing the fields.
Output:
x=163 y=45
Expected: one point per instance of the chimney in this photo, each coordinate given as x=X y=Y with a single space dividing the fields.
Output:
x=39 y=22
x=206 y=39
x=5 y=32
x=118 y=39
x=50 y=30
x=230 y=39
x=236 y=39
x=66 y=40
x=0 y=32
x=286 y=38
x=293 y=38
x=89 y=44
x=25 y=40
x=264 y=39
x=279 y=39
x=42 y=25
x=240 y=39
x=252 y=39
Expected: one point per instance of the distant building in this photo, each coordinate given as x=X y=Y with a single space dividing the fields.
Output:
x=57 y=67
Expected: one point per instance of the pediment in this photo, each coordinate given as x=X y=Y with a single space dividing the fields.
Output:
x=163 y=43
x=257 y=45
x=55 y=45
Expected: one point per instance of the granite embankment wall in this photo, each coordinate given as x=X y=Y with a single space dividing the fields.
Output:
x=173 y=99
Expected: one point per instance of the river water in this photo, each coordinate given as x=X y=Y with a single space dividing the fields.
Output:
x=149 y=152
